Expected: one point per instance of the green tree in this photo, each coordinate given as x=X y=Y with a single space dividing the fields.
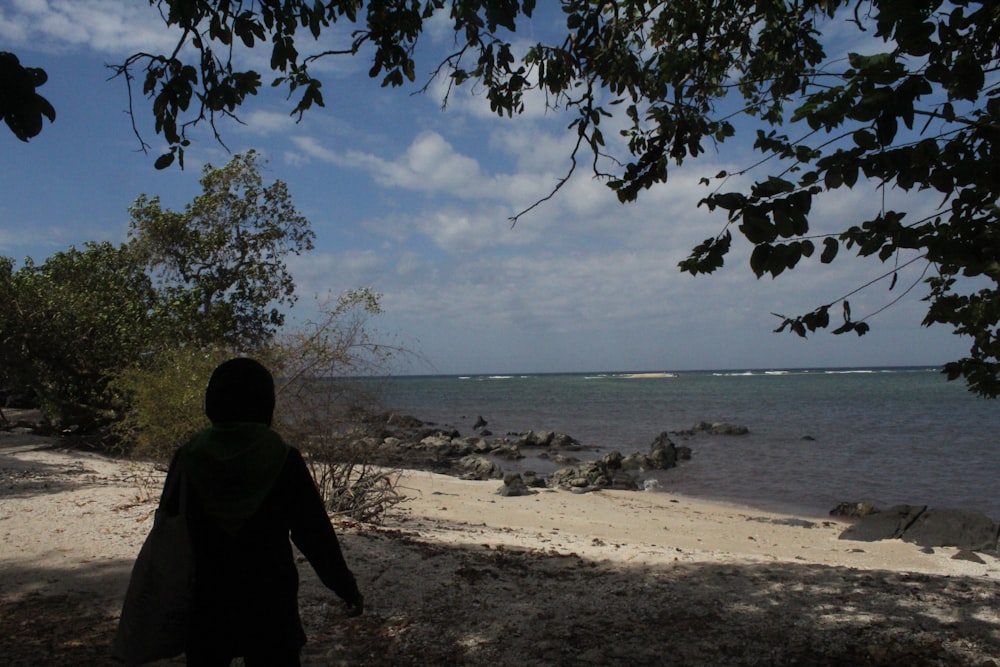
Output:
x=98 y=329
x=69 y=324
x=163 y=392
x=222 y=261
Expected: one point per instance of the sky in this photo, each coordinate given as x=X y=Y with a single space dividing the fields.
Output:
x=414 y=201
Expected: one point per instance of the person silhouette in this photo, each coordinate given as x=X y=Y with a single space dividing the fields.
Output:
x=248 y=492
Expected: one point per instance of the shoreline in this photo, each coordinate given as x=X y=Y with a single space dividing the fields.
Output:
x=649 y=521
x=459 y=574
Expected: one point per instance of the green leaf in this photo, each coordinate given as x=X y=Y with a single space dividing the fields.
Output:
x=830 y=248
x=885 y=128
x=707 y=256
x=778 y=259
x=833 y=179
x=729 y=201
x=772 y=186
x=865 y=140
x=756 y=226
x=968 y=79
x=164 y=161
x=818 y=319
x=942 y=180
x=759 y=258
x=781 y=216
x=850 y=175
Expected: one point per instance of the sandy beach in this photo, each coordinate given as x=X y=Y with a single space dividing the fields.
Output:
x=461 y=575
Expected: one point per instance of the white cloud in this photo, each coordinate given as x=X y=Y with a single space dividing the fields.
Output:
x=581 y=264
x=321 y=274
x=533 y=148
x=429 y=164
x=106 y=26
x=545 y=289
x=309 y=149
x=473 y=230
x=263 y=123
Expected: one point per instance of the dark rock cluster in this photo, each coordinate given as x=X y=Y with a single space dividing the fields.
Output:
x=406 y=441
x=924 y=526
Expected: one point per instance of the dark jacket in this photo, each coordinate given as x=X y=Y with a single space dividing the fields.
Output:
x=247 y=493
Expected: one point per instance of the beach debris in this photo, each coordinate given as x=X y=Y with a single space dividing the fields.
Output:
x=533 y=480
x=558 y=459
x=941 y=527
x=967 y=555
x=505 y=450
x=547 y=440
x=408 y=442
x=794 y=522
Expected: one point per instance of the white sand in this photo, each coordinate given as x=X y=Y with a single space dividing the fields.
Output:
x=459 y=573
x=654 y=527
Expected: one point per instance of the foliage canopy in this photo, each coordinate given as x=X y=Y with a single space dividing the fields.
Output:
x=66 y=324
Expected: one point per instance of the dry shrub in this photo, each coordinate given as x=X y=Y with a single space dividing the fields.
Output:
x=350 y=483
x=327 y=378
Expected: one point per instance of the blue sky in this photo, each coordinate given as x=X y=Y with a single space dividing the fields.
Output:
x=413 y=201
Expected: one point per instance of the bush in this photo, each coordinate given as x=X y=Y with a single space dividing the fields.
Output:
x=318 y=392
x=163 y=400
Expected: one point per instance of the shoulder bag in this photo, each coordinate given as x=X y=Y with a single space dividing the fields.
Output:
x=156 y=613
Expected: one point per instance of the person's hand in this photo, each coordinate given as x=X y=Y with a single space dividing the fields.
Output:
x=356 y=607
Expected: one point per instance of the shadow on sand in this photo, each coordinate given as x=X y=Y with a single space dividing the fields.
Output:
x=434 y=604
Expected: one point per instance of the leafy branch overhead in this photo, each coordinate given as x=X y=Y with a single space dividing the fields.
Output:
x=916 y=109
x=21 y=107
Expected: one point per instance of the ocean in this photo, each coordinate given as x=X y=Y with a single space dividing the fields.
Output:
x=818 y=437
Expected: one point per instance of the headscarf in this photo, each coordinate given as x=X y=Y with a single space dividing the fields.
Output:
x=240 y=390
